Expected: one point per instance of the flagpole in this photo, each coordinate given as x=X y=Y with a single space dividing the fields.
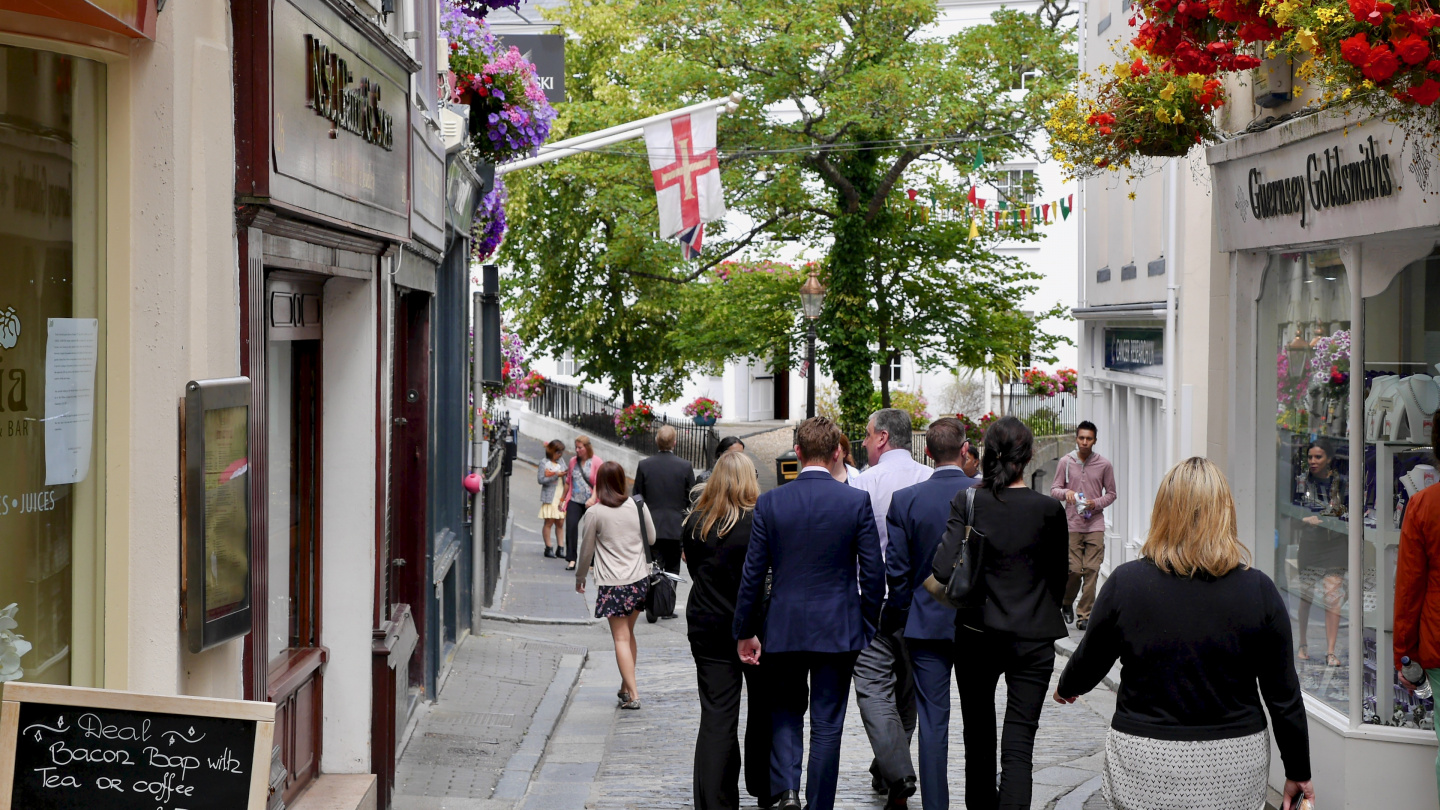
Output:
x=612 y=135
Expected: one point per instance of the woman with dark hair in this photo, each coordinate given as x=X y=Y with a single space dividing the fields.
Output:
x=727 y=445
x=610 y=536
x=1324 y=556
x=1026 y=562
x=849 y=459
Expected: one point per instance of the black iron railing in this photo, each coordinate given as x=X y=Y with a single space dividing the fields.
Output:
x=595 y=415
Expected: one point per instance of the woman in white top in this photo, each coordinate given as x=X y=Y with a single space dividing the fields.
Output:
x=611 y=541
x=548 y=475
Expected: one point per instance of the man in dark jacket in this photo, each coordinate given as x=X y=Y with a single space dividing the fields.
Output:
x=815 y=535
x=664 y=481
x=917 y=519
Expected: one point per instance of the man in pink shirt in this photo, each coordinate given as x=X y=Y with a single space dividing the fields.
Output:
x=1085 y=481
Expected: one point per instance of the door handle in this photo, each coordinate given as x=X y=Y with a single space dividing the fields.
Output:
x=398 y=562
x=401 y=421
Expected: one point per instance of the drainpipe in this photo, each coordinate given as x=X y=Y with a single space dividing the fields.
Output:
x=1172 y=258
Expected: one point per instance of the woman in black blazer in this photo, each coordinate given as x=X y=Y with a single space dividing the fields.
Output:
x=716 y=536
x=1026 y=565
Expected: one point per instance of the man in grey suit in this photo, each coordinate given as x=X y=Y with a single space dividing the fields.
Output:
x=664 y=481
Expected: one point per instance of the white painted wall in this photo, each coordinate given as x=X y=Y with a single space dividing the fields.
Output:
x=347 y=599
x=174 y=309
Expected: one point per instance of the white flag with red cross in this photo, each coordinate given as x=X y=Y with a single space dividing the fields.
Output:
x=686 y=169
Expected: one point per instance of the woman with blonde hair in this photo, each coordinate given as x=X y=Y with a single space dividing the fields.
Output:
x=579 y=493
x=716 y=536
x=1195 y=628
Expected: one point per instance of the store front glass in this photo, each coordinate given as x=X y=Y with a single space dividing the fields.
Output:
x=52 y=359
x=1304 y=339
x=1401 y=353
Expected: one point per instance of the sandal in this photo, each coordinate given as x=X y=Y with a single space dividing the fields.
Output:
x=1302 y=653
x=631 y=704
x=1332 y=660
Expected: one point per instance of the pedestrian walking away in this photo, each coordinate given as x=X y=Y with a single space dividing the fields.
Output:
x=664 y=481
x=813 y=535
x=1195 y=629
x=1085 y=481
x=1025 y=566
x=729 y=444
x=916 y=524
x=613 y=536
x=548 y=474
x=884 y=682
x=579 y=493
x=1417 y=589
x=716 y=537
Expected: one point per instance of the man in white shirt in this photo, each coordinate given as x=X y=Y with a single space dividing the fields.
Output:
x=884 y=681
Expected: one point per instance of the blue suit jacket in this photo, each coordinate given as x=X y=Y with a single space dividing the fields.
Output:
x=813 y=534
x=916 y=525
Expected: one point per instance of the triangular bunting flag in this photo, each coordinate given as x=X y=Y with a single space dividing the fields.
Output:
x=974 y=228
x=1065 y=206
x=1024 y=220
x=971 y=195
x=981 y=202
x=979 y=158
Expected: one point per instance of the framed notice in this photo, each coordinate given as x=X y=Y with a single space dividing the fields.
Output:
x=215 y=499
x=65 y=748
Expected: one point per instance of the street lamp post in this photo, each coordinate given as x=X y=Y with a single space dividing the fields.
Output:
x=812 y=301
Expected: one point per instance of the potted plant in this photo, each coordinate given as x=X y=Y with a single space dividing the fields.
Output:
x=1040 y=384
x=530 y=386
x=703 y=411
x=509 y=114
x=634 y=420
x=1069 y=380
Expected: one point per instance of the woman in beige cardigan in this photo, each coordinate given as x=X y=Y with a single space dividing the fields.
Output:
x=610 y=537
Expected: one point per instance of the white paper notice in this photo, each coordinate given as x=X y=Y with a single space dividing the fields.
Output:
x=69 y=398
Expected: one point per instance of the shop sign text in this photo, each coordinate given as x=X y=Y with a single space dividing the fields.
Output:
x=355 y=110
x=1328 y=182
x=1136 y=351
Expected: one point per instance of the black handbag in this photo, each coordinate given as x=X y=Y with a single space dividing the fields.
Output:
x=957 y=576
x=660 y=589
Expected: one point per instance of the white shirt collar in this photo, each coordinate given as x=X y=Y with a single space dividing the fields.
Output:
x=939 y=467
x=890 y=454
x=816 y=468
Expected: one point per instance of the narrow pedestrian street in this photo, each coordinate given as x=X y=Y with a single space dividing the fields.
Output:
x=527 y=719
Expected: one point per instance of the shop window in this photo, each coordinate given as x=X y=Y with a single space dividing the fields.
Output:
x=1015 y=186
x=1304 y=339
x=1402 y=350
x=52 y=360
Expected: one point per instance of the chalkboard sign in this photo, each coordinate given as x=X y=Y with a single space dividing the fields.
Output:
x=64 y=748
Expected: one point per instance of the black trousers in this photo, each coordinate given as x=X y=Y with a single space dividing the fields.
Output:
x=717 y=745
x=667 y=553
x=1026 y=665
x=574 y=510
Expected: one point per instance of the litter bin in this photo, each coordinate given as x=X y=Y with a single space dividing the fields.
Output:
x=787 y=466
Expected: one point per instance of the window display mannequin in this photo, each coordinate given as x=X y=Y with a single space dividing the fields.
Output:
x=1324 y=553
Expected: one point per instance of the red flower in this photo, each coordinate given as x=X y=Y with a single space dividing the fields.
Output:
x=1139 y=68
x=1419 y=22
x=1425 y=93
x=483 y=92
x=1356 y=49
x=1433 y=66
x=1412 y=49
x=1105 y=130
x=1370 y=11
x=1381 y=64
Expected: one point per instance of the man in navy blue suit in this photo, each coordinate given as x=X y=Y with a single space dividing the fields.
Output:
x=916 y=525
x=812 y=534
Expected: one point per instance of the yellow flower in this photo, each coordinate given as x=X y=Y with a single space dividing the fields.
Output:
x=1179 y=117
x=1132 y=195
x=1305 y=38
x=1122 y=71
x=1168 y=93
x=1161 y=115
x=1196 y=81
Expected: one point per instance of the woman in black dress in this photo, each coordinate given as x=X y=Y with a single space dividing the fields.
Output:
x=1324 y=556
x=716 y=535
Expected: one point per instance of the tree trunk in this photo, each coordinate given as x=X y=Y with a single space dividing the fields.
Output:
x=885 y=370
x=627 y=394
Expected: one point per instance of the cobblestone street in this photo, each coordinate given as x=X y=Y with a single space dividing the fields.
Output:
x=462 y=756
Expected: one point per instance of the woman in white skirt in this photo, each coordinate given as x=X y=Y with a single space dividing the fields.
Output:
x=548 y=474
x=1195 y=629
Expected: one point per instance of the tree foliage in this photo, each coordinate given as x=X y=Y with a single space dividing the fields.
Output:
x=846 y=102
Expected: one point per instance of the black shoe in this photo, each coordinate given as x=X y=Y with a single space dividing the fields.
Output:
x=877 y=784
x=1082 y=624
x=671 y=616
x=1069 y=613
x=789 y=800
x=549 y=552
x=900 y=791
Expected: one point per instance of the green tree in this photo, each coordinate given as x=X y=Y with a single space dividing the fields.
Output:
x=845 y=101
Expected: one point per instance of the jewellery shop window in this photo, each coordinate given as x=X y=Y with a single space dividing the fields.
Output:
x=52 y=355
x=1402 y=350
x=1304 y=344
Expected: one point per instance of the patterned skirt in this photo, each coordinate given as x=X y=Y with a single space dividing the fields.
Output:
x=1146 y=774
x=620 y=600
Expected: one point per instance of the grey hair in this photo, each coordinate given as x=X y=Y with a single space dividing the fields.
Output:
x=895 y=421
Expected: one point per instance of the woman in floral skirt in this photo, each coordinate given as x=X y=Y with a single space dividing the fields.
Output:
x=611 y=540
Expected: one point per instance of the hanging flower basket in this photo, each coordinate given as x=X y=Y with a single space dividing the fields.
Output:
x=703 y=411
x=634 y=420
x=509 y=114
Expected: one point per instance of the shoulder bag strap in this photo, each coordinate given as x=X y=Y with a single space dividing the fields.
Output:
x=644 y=532
x=970 y=508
